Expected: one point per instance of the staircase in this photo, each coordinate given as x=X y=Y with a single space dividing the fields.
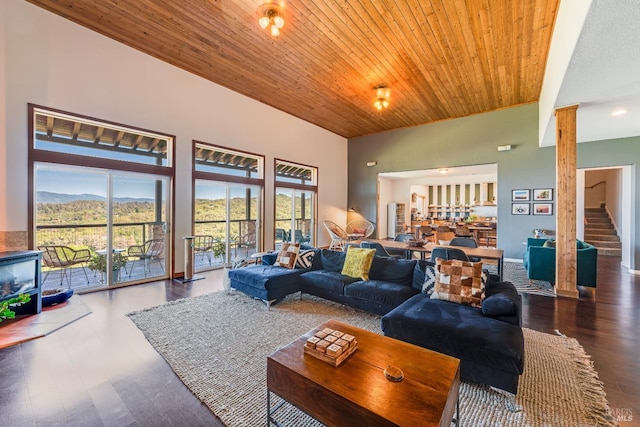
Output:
x=599 y=231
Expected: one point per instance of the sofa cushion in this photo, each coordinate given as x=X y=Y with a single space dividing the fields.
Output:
x=328 y=260
x=358 y=262
x=267 y=282
x=287 y=255
x=305 y=258
x=459 y=281
x=262 y=276
x=392 y=270
x=325 y=280
x=418 y=273
x=386 y=293
x=506 y=290
x=498 y=305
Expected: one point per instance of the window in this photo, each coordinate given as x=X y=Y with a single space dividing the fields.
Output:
x=295 y=203
x=228 y=191
x=62 y=133
x=101 y=189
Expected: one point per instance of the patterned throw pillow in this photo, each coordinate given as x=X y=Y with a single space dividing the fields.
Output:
x=358 y=262
x=305 y=258
x=430 y=277
x=287 y=255
x=459 y=282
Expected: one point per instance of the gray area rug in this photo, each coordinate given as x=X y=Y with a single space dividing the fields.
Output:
x=515 y=273
x=218 y=343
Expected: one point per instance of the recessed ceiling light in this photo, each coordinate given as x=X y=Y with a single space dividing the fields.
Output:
x=619 y=112
x=443 y=170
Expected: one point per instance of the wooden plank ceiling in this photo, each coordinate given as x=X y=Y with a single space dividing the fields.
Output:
x=441 y=59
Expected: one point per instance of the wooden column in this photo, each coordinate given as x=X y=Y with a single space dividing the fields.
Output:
x=566 y=255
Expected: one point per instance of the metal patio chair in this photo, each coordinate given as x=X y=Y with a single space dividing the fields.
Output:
x=64 y=257
x=151 y=250
x=203 y=243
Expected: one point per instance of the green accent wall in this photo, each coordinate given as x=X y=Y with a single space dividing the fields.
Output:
x=474 y=140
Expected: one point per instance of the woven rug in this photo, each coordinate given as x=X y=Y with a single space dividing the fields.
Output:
x=515 y=273
x=218 y=343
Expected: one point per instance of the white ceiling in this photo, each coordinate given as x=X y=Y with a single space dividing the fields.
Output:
x=603 y=74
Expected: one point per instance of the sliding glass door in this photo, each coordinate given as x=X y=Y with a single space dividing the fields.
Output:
x=294 y=221
x=139 y=241
x=226 y=222
x=95 y=227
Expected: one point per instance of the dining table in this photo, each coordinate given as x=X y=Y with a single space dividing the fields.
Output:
x=493 y=254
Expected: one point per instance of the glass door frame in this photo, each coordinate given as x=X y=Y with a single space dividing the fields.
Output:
x=228 y=190
x=109 y=176
x=293 y=221
x=298 y=179
x=233 y=168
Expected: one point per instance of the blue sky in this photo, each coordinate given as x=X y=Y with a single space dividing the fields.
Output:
x=57 y=181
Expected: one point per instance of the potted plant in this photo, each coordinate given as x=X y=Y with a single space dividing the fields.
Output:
x=6 y=312
x=99 y=263
x=219 y=249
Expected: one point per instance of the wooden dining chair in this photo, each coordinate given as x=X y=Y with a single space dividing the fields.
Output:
x=444 y=237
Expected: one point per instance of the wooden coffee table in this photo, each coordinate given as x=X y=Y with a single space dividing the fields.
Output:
x=357 y=392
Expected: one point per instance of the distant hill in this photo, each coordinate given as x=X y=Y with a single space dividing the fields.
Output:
x=47 y=197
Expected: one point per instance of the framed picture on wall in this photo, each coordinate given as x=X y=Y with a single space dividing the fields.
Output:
x=520 y=195
x=543 y=208
x=543 y=194
x=520 y=208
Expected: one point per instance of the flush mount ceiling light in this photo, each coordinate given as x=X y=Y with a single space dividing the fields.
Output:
x=443 y=171
x=382 y=97
x=271 y=16
x=619 y=112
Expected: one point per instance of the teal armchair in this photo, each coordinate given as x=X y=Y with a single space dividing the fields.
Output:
x=540 y=262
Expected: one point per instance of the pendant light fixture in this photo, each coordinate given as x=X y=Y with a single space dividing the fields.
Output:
x=271 y=17
x=382 y=97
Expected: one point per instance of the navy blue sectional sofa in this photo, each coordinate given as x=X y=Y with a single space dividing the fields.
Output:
x=488 y=340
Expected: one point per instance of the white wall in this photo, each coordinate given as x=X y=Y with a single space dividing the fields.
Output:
x=614 y=196
x=595 y=194
x=385 y=190
x=49 y=61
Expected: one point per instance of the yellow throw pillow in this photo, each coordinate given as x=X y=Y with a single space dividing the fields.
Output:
x=287 y=255
x=358 y=262
x=459 y=281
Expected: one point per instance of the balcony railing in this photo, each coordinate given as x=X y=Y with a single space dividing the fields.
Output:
x=242 y=243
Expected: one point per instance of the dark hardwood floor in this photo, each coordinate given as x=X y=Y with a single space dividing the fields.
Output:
x=100 y=370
